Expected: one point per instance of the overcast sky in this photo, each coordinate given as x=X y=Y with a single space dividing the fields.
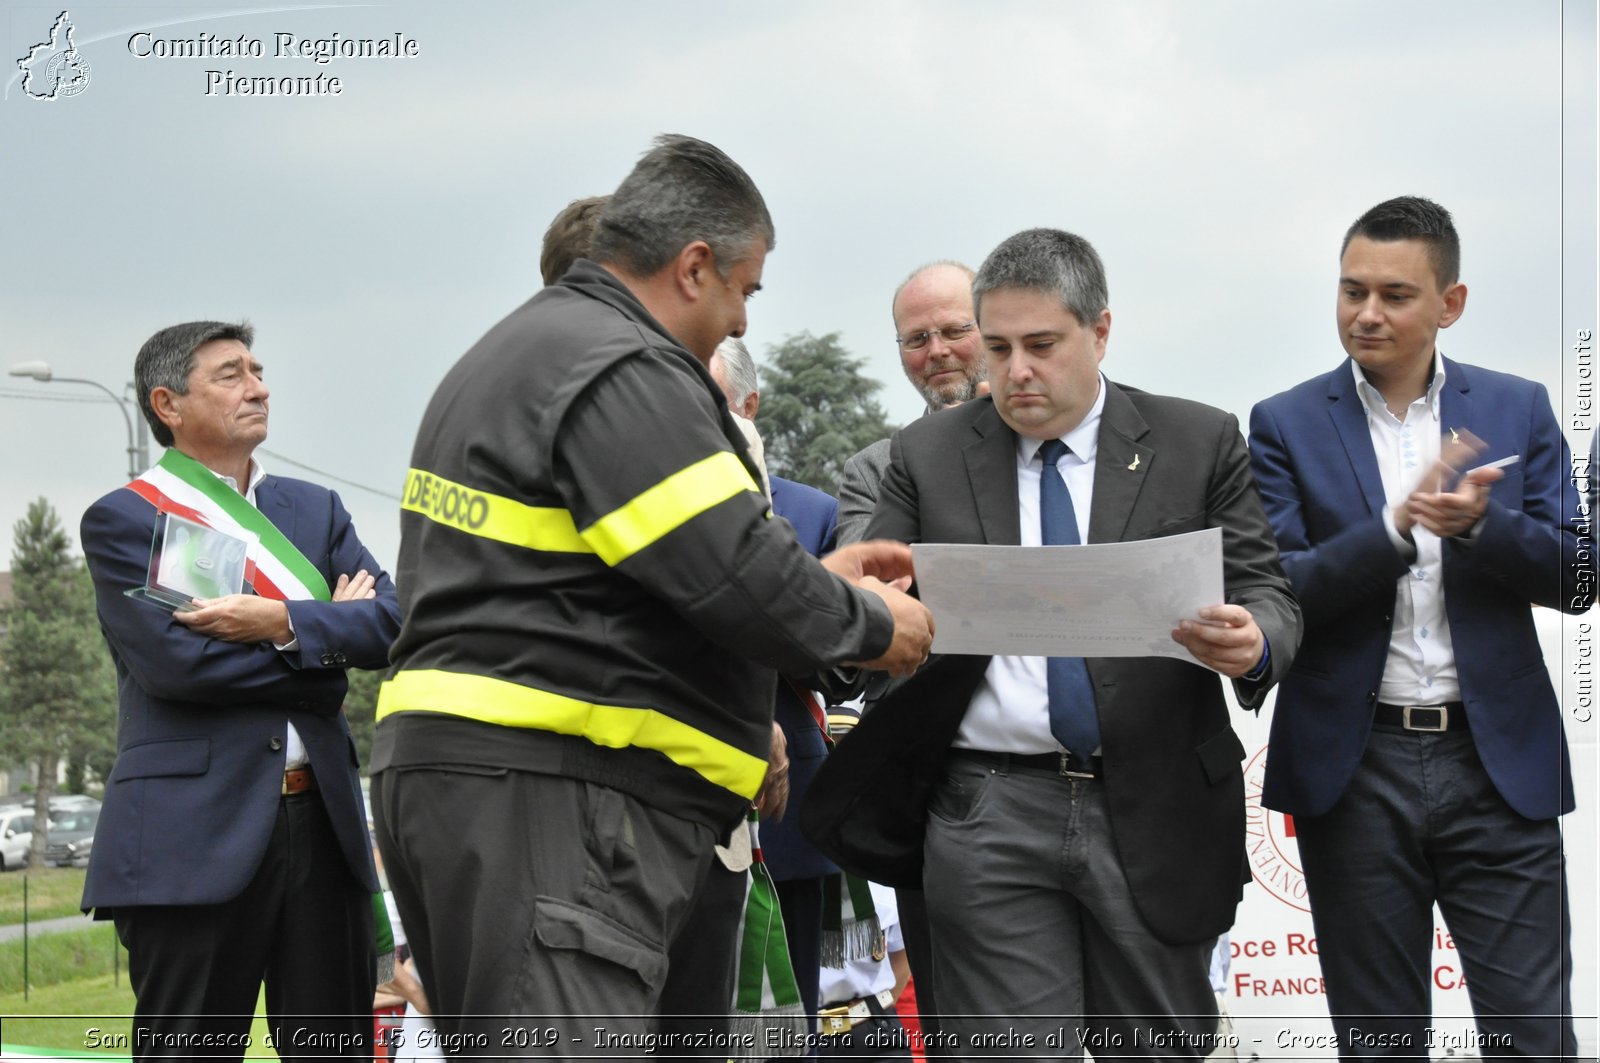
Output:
x=1213 y=152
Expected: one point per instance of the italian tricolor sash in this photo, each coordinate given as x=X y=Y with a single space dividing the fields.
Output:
x=765 y=994
x=277 y=569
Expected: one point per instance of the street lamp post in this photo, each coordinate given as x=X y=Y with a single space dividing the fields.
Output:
x=138 y=441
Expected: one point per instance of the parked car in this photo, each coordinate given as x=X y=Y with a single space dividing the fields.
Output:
x=16 y=836
x=71 y=837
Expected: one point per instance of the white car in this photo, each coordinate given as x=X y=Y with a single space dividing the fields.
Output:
x=16 y=836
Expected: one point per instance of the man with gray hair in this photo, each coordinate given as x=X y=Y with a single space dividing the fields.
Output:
x=797 y=869
x=1078 y=825
x=594 y=604
x=940 y=351
x=735 y=373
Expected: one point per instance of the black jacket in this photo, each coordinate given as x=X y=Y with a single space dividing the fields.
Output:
x=591 y=582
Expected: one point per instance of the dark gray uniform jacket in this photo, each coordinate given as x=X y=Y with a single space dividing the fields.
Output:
x=591 y=582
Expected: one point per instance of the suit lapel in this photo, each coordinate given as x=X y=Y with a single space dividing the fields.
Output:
x=1120 y=465
x=1349 y=416
x=277 y=507
x=992 y=473
x=1456 y=408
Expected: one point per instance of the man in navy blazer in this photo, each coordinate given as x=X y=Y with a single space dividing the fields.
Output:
x=232 y=846
x=1417 y=741
x=798 y=869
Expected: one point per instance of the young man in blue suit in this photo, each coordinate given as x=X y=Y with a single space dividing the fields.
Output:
x=233 y=846
x=1417 y=741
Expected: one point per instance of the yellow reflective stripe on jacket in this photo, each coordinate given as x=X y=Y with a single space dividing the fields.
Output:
x=615 y=537
x=508 y=704
x=671 y=503
x=492 y=516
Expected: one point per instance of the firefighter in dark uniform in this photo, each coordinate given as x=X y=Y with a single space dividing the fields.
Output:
x=595 y=597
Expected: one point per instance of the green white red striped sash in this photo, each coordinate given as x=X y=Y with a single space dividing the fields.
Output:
x=276 y=568
x=765 y=994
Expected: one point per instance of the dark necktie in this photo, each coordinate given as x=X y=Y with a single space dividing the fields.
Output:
x=1073 y=718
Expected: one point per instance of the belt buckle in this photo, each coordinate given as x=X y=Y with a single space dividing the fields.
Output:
x=844 y=1017
x=1067 y=772
x=1443 y=718
x=835 y=1020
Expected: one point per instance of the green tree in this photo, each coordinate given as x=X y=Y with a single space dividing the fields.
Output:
x=817 y=409
x=360 y=708
x=55 y=682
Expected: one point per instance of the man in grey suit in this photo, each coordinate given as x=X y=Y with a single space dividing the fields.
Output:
x=940 y=352
x=1082 y=842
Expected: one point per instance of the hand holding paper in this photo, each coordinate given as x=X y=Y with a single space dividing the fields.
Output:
x=1225 y=639
x=913 y=630
x=884 y=559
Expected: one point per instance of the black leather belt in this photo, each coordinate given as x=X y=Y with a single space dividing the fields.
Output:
x=1063 y=763
x=1426 y=719
x=842 y=1018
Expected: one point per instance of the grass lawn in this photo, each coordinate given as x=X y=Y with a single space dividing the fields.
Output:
x=91 y=1003
x=52 y=893
x=62 y=957
x=88 y=1018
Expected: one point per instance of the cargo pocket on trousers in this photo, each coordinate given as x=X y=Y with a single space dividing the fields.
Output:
x=561 y=925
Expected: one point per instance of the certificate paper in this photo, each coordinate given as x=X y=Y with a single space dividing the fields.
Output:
x=1097 y=600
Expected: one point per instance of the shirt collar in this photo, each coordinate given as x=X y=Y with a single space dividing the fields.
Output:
x=1372 y=398
x=1083 y=441
x=257 y=474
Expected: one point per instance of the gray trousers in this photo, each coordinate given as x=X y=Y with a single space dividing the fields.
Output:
x=1035 y=933
x=540 y=908
x=1421 y=823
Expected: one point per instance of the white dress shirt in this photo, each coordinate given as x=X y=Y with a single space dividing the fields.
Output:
x=1010 y=711
x=295 y=755
x=1421 y=668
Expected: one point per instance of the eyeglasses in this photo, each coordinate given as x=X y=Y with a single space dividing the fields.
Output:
x=918 y=340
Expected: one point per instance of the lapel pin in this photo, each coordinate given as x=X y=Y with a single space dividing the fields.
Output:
x=1455 y=437
x=1135 y=464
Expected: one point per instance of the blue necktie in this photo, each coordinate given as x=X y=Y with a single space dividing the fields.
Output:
x=1073 y=718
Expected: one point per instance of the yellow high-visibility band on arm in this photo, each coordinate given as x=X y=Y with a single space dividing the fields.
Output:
x=615 y=537
x=507 y=704
x=659 y=510
x=504 y=520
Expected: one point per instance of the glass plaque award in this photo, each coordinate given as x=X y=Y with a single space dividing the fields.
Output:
x=189 y=560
